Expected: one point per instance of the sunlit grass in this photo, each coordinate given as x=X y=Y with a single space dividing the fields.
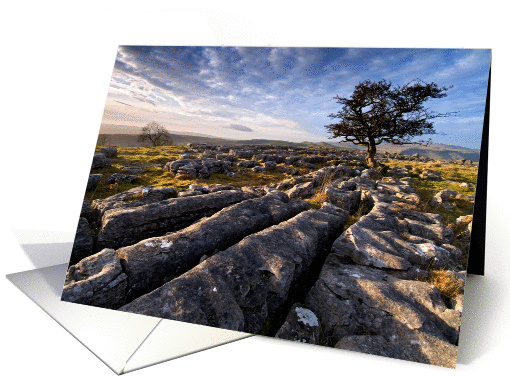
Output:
x=446 y=282
x=426 y=189
x=151 y=161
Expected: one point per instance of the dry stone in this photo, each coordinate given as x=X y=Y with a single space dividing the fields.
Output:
x=303 y=190
x=109 y=152
x=343 y=198
x=121 y=178
x=134 y=197
x=126 y=226
x=378 y=239
x=86 y=211
x=93 y=181
x=97 y=280
x=287 y=170
x=100 y=160
x=430 y=175
x=171 y=255
x=444 y=197
x=409 y=317
x=301 y=325
x=240 y=287
x=151 y=262
x=197 y=168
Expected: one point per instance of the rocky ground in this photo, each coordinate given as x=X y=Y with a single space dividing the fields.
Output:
x=303 y=244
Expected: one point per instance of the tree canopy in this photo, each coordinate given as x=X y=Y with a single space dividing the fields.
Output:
x=155 y=134
x=378 y=112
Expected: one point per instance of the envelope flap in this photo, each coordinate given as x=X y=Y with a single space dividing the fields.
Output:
x=110 y=335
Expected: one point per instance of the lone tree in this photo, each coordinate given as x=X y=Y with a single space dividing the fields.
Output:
x=154 y=134
x=376 y=112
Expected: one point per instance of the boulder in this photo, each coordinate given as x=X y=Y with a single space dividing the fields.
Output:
x=305 y=163
x=248 y=163
x=464 y=220
x=134 y=170
x=378 y=239
x=444 y=197
x=86 y=211
x=270 y=165
x=393 y=187
x=197 y=168
x=301 y=325
x=151 y=262
x=100 y=160
x=109 y=152
x=245 y=154
x=439 y=257
x=399 y=171
x=287 y=170
x=121 y=178
x=128 y=225
x=343 y=198
x=369 y=173
x=303 y=190
x=239 y=288
x=406 y=319
x=196 y=187
x=430 y=175
x=291 y=160
x=364 y=183
x=97 y=280
x=93 y=181
x=259 y=169
x=398 y=199
x=133 y=197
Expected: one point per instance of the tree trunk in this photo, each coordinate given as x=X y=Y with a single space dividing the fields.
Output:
x=371 y=150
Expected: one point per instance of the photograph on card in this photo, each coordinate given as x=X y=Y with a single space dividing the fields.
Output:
x=318 y=195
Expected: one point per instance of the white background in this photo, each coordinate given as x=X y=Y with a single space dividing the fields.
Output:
x=56 y=63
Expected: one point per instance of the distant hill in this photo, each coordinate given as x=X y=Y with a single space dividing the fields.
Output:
x=131 y=140
x=434 y=151
x=126 y=136
x=443 y=153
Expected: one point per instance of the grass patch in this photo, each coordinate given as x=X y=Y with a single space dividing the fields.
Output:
x=150 y=159
x=132 y=198
x=248 y=178
x=457 y=172
x=319 y=198
x=426 y=189
x=446 y=282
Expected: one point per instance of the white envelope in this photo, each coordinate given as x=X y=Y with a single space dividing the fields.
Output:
x=123 y=341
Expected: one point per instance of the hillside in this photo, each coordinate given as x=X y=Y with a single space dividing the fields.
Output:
x=433 y=151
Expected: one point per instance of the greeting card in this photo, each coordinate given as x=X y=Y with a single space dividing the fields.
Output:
x=318 y=195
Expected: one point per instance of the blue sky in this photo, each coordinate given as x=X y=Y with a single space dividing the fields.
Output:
x=285 y=93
